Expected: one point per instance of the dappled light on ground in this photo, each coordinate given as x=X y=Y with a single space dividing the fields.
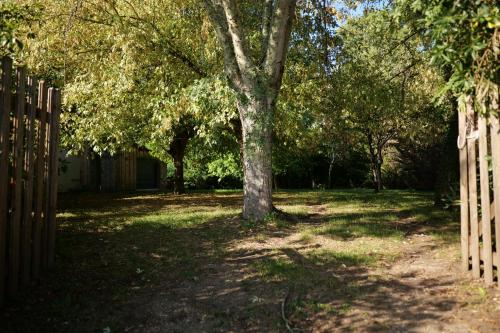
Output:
x=352 y=261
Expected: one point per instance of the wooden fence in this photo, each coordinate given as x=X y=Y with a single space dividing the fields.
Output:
x=29 y=135
x=479 y=146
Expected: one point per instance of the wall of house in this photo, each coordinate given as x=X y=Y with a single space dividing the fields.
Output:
x=114 y=173
x=69 y=172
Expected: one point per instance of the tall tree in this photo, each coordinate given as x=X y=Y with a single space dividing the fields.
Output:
x=255 y=73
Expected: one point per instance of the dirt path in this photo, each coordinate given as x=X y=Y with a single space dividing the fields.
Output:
x=422 y=291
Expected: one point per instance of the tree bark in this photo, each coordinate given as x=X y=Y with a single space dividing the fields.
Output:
x=256 y=116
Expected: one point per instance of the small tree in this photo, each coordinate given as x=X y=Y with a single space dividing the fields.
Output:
x=384 y=84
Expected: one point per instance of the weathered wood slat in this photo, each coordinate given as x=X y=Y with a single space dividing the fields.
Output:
x=5 y=108
x=485 y=201
x=129 y=162
x=464 y=190
x=129 y=170
x=133 y=172
x=39 y=180
x=494 y=256
x=123 y=171
x=495 y=152
x=28 y=184
x=46 y=206
x=472 y=180
x=84 y=170
x=52 y=180
x=16 y=183
x=25 y=204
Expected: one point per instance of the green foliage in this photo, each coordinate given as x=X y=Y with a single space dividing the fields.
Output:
x=129 y=78
x=15 y=25
x=466 y=42
x=132 y=79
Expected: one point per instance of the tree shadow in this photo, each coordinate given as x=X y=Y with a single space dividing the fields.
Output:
x=118 y=270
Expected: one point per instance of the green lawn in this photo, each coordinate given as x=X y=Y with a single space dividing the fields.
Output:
x=115 y=251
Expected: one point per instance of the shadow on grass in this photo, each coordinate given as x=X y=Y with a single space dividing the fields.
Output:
x=156 y=262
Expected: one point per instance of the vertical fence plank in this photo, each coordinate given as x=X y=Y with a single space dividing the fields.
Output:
x=133 y=173
x=129 y=162
x=5 y=108
x=39 y=178
x=52 y=180
x=472 y=178
x=485 y=200
x=46 y=208
x=28 y=184
x=27 y=199
x=495 y=152
x=84 y=174
x=17 y=182
x=464 y=194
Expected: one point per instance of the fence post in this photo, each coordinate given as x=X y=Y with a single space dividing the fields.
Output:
x=17 y=182
x=39 y=178
x=53 y=173
x=5 y=108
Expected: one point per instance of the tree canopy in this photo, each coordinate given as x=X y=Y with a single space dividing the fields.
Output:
x=263 y=93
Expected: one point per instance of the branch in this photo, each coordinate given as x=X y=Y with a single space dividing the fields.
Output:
x=218 y=20
x=279 y=35
x=169 y=47
x=401 y=42
x=266 y=26
x=237 y=37
x=407 y=68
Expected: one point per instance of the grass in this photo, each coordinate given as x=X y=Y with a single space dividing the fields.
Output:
x=116 y=249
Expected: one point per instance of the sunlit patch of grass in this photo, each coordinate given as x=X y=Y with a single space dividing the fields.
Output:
x=306 y=236
x=311 y=267
x=184 y=219
x=314 y=306
x=354 y=257
x=66 y=215
x=282 y=269
x=379 y=225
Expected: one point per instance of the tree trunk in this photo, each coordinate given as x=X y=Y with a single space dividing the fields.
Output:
x=378 y=172
x=330 y=170
x=376 y=163
x=256 y=119
x=256 y=78
x=177 y=150
x=179 y=173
